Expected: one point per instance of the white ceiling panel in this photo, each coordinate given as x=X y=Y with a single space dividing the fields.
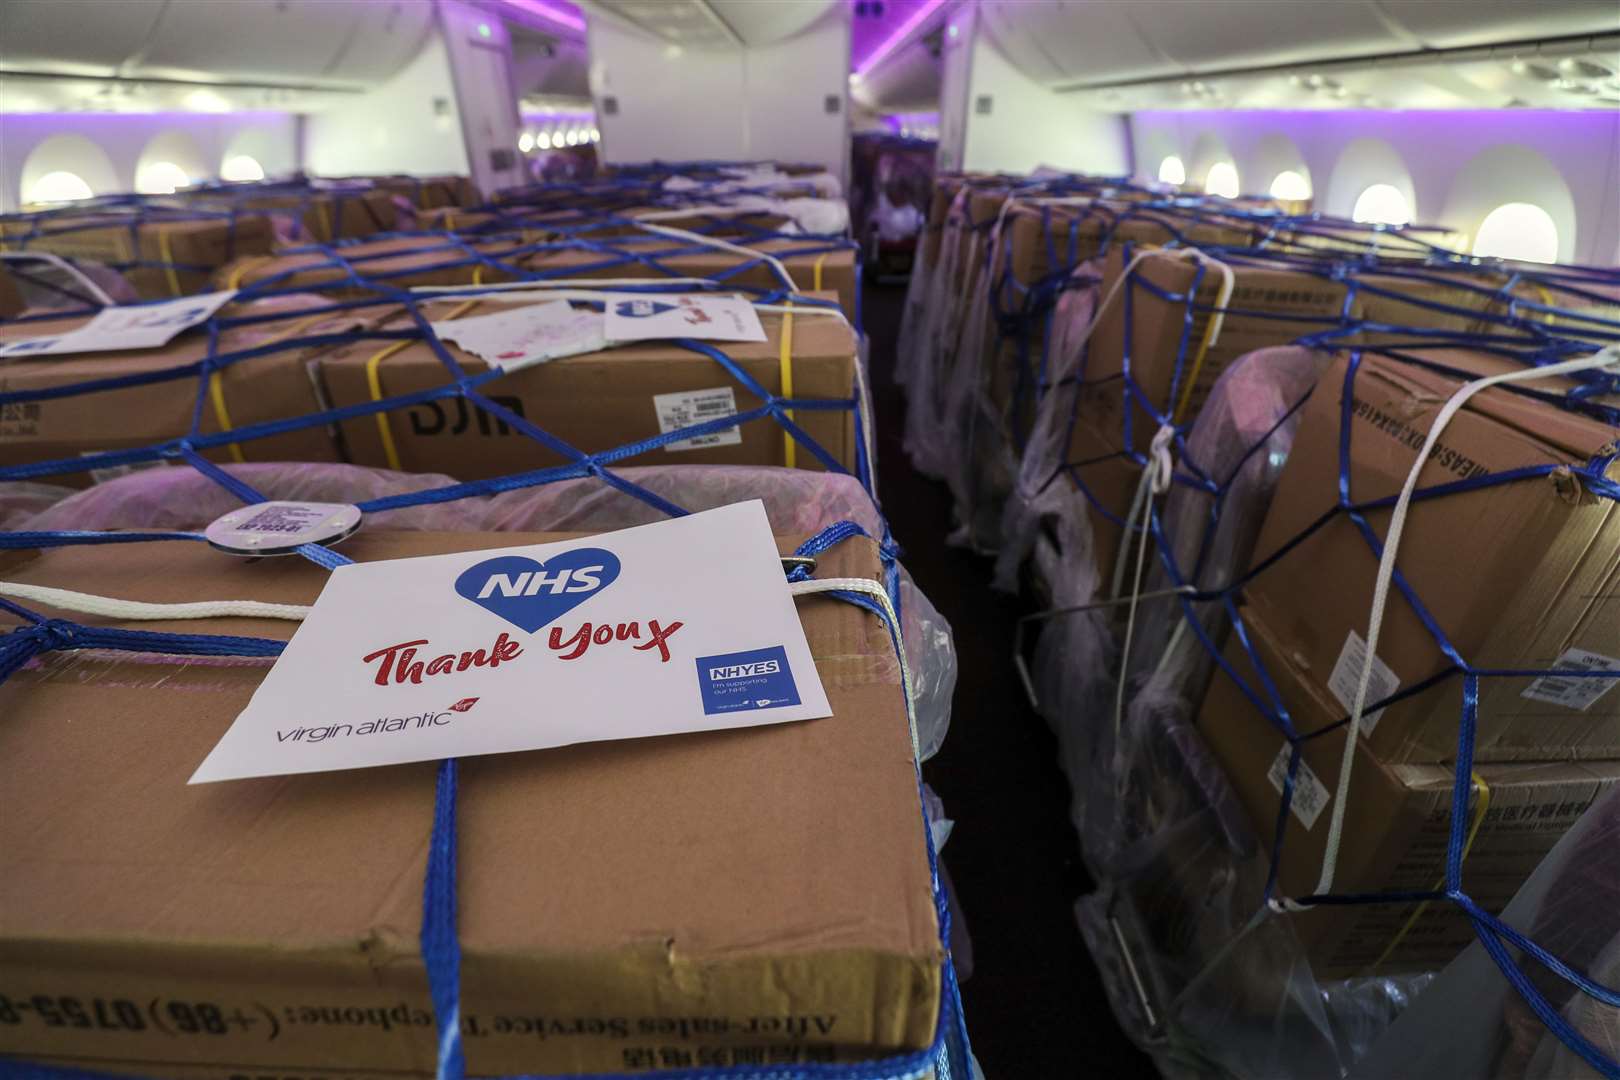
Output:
x=292 y=40
x=1198 y=34
x=1444 y=24
x=760 y=23
x=1074 y=40
x=77 y=38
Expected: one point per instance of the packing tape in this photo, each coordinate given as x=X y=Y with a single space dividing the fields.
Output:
x=374 y=385
x=790 y=451
x=166 y=253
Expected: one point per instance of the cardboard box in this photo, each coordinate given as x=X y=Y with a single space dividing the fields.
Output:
x=1397 y=823
x=277 y=385
x=822 y=266
x=398 y=261
x=1271 y=304
x=1515 y=574
x=162 y=253
x=428 y=192
x=705 y=899
x=598 y=401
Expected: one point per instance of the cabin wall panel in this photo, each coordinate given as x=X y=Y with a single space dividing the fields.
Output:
x=398 y=127
x=1440 y=151
x=761 y=102
x=1029 y=126
x=124 y=137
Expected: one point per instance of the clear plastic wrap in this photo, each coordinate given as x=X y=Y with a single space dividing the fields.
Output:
x=1039 y=494
x=1473 y=1025
x=1198 y=969
x=21 y=500
x=796 y=501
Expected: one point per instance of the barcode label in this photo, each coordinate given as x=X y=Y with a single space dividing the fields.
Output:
x=676 y=411
x=113 y=472
x=1347 y=672
x=282 y=518
x=1575 y=693
x=1310 y=794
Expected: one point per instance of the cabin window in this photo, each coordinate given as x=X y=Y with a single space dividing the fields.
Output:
x=59 y=186
x=543 y=141
x=526 y=142
x=241 y=168
x=1382 y=204
x=1172 y=171
x=1290 y=186
x=160 y=178
x=1520 y=231
x=1222 y=180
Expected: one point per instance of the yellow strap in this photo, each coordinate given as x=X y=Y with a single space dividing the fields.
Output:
x=167 y=254
x=374 y=384
x=816 y=272
x=1546 y=298
x=217 y=393
x=242 y=266
x=1480 y=806
x=1194 y=369
x=216 y=389
x=790 y=449
x=450 y=221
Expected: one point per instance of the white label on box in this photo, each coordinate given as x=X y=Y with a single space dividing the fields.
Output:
x=1347 y=672
x=680 y=626
x=116 y=329
x=114 y=472
x=519 y=337
x=1578 y=693
x=681 y=410
x=1310 y=794
x=664 y=315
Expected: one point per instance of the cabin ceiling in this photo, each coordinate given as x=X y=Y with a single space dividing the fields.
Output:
x=1197 y=54
x=714 y=24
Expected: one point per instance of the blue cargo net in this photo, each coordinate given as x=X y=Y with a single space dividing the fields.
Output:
x=1558 y=331
x=948 y=1057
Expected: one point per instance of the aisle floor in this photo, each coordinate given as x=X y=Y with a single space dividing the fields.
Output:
x=1036 y=1008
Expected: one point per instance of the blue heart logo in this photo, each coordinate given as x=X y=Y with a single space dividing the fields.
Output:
x=531 y=594
x=640 y=309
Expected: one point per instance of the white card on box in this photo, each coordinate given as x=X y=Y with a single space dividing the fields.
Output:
x=664 y=315
x=517 y=337
x=118 y=329
x=679 y=626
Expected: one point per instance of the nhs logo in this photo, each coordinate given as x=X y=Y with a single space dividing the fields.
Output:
x=530 y=594
x=757 y=679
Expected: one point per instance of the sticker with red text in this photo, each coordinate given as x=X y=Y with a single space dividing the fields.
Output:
x=486 y=652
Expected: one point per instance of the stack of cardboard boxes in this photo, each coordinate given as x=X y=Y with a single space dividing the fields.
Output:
x=1515 y=576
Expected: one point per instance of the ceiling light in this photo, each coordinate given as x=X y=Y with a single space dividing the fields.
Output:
x=205 y=101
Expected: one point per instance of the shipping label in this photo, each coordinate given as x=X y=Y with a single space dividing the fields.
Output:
x=1381 y=683
x=1310 y=794
x=682 y=410
x=1577 y=692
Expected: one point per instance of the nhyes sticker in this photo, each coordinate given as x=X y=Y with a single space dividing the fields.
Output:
x=641 y=309
x=756 y=679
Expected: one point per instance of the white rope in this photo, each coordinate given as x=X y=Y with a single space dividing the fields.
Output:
x=1156 y=478
x=66 y=267
x=138 y=610
x=873 y=589
x=1386 y=569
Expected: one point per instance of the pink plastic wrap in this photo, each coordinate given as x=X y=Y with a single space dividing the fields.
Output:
x=796 y=501
x=21 y=500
